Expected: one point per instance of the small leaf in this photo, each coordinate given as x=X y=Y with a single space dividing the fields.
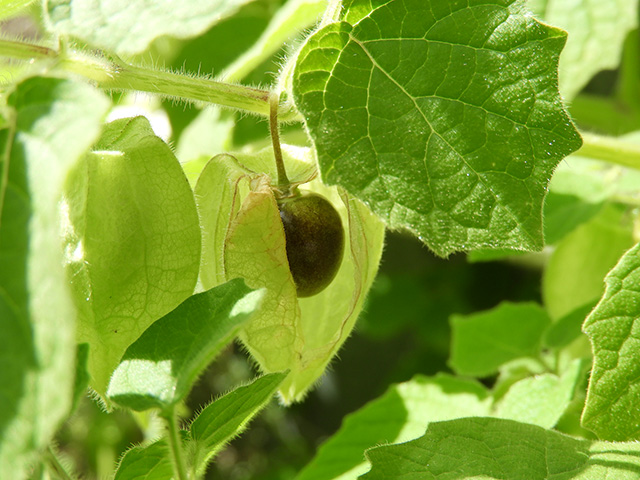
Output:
x=228 y=416
x=567 y=329
x=132 y=240
x=158 y=370
x=401 y=414
x=483 y=448
x=150 y=462
x=614 y=389
x=451 y=133
x=129 y=26
x=543 y=399
x=51 y=123
x=483 y=341
x=597 y=31
x=576 y=269
x=564 y=213
x=294 y=17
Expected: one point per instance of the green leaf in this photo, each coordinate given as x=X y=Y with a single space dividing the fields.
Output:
x=543 y=399
x=481 y=342
x=132 y=240
x=401 y=414
x=301 y=335
x=228 y=416
x=290 y=20
x=597 y=31
x=614 y=390
x=146 y=462
x=490 y=448
x=564 y=213
x=575 y=272
x=52 y=123
x=126 y=27
x=158 y=370
x=568 y=328
x=9 y=8
x=451 y=133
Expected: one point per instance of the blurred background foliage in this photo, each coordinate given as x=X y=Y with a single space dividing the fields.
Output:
x=404 y=330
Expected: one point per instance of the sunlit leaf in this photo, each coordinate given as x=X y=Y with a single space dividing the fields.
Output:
x=158 y=369
x=129 y=26
x=227 y=416
x=52 y=123
x=400 y=415
x=449 y=132
x=132 y=240
x=597 y=31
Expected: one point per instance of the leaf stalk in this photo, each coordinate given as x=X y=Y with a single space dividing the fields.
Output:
x=284 y=185
x=610 y=149
x=115 y=74
x=175 y=444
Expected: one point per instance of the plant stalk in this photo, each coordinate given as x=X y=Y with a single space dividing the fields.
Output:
x=56 y=464
x=115 y=74
x=283 y=181
x=610 y=149
x=175 y=444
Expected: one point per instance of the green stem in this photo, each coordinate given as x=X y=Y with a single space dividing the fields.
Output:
x=628 y=88
x=175 y=444
x=25 y=51
x=283 y=181
x=56 y=465
x=4 y=161
x=610 y=149
x=114 y=74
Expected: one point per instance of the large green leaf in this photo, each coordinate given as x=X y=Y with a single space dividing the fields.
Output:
x=484 y=341
x=129 y=26
x=158 y=370
x=301 y=335
x=597 y=31
x=52 y=123
x=400 y=415
x=133 y=240
x=444 y=117
x=226 y=417
x=614 y=390
x=496 y=449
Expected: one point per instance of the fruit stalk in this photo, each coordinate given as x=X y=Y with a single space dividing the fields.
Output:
x=284 y=186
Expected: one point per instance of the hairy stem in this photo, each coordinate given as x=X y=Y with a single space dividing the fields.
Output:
x=115 y=74
x=610 y=149
x=283 y=181
x=56 y=465
x=175 y=444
